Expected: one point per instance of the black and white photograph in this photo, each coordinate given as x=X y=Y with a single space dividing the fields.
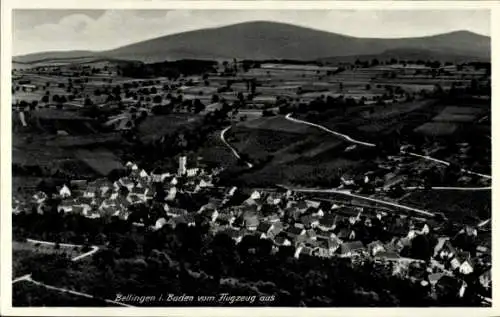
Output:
x=219 y=157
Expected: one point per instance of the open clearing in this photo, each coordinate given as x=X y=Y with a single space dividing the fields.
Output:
x=154 y=127
x=456 y=206
x=437 y=128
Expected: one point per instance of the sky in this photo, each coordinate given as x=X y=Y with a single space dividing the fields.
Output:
x=55 y=29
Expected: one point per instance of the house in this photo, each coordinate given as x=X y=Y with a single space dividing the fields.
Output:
x=346 y=234
x=466 y=267
x=348 y=249
x=313 y=204
x=447 y=252
x=325 y=206
x=311 y=234
x=321 y=252
x=79 y=185
x=347 y=180
x=293 y=232
x=276 y=229
x=191 y=172
x=176 y=212
x=225 y=219
x=174 y=181
x=418 y=229
x=282 y=241
x=160 y=223
x=325 y=248
x=439 y=246
x=103 y=186
x=212 y=214
x=251 y=202
x=323 y=235
x=90 y=192
x=204 y=183
x=236 y=235
x=251 y=222
x=303 y=250
x=301 y=206
x=107 y=203
x=333 y=244
x=127 y=183
x=485 y=279
x=327 y=222
x=65 y=206
x=190 y=220
x=434 y=278
x=265 y=228
x=309 y=221
x=387 y=256
x=143 y=174
x=462 y=262
x=121 y=201
x=64 y=192
x=292 y=213
x=274 y=199
x=255 y=195
x=172 y=192
x=375 y=247
x=86 y=203
x=28 y=87
x=40 y=197
x=140 y=192
x=134 y=200
x=231 y=191
x=273 y=218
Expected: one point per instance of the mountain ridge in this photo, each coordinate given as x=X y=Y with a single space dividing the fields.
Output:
x=262 y=40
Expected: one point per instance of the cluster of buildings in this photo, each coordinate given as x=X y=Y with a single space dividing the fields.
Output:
x=305 y=227
x=102 y=197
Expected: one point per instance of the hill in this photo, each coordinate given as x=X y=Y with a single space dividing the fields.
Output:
x=269 y=40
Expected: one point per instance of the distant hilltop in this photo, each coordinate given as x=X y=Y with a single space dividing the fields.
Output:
x=262 y=40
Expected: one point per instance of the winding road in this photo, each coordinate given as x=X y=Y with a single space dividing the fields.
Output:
x=28 y=277
x=347 y=193
x=449 y=188
x=79 y=257
x=343 y=136
x=233 y=150
x=349 y=139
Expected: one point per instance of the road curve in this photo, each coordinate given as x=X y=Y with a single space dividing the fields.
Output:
x=347 y=193
x=348 y=138
x=65 y=290
x=28 y=277
x=426 y=157
x=343 y=136
x=449 y=188
x=79 y=257
x=483 y=223
x=233 y=150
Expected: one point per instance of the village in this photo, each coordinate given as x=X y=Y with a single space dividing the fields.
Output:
x=305 y=223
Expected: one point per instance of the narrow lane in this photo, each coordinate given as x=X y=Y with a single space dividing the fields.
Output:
x=348 y=138
x=233 y=150
x=347 y=193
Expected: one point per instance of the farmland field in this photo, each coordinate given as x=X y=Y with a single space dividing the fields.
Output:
x=438 y=128
x=154 y=127
x=277 y=123
x=455 y=205
x=259 y=143
x=24 y=253
x=101 y=160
